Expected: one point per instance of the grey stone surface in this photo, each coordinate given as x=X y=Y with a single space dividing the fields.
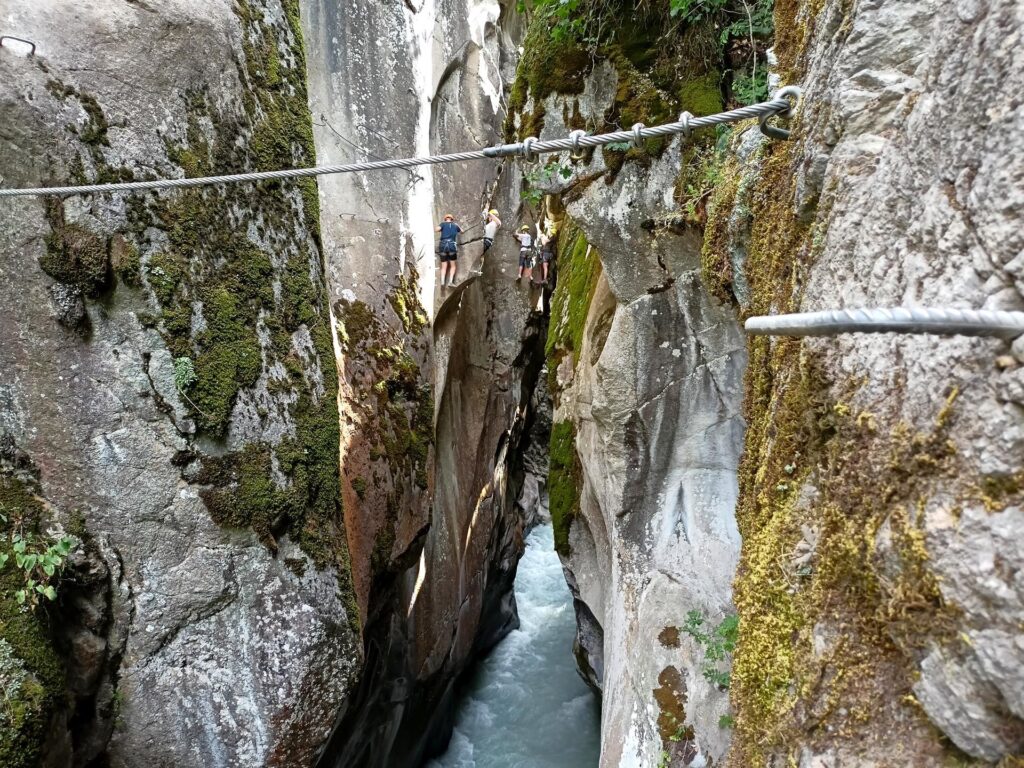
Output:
x=413 y=79
x=911 y=163
x=656 y=401
x=221 y=655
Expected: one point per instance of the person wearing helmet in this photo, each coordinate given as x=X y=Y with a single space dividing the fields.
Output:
x=448 y=248
x=525 y=252
x=547 y=253
x=491 y=224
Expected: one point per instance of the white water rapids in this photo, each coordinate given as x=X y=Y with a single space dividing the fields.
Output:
x=524 y=706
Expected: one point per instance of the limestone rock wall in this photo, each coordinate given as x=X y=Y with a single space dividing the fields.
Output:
x=432 y=416
x=645 y=367
x=878 y=495
x=167 y=393
x=879 y=592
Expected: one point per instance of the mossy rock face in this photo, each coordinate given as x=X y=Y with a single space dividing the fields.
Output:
x=390 y=410
x=75 y=255
x=237 y=281
x=564 y=483
x=818 y=476
x=663 y=68
x=31 y=671
x=579 y=267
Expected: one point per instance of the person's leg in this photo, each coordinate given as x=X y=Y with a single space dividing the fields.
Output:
x=454 y=265
x=544 y=269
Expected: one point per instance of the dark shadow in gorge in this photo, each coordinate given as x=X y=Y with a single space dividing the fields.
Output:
x=403 y=710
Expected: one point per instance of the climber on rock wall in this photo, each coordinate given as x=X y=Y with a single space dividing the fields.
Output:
x=525 y=252
x=491 y=224
x=547 y=254
x=448 y=248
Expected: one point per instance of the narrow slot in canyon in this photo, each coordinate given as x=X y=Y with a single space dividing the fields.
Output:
x=499 y=384
x=525 y=705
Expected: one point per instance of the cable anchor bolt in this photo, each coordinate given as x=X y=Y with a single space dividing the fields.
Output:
x=791 y=94
x=576 y=153
x=32 y=51
x=684 y=120
x=527 y=149
x=638 y=136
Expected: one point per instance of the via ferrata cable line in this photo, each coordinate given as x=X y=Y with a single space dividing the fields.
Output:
x=934 y=320
x=529 y=148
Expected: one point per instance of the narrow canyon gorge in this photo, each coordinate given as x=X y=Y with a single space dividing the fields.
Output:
x=266 y=485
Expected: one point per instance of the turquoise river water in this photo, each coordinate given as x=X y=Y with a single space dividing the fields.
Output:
x=524 y=706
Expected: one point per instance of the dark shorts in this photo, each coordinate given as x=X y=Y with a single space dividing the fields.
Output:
x=525 y=259
x=488 y=242
x=547 y=256
x=448 y=251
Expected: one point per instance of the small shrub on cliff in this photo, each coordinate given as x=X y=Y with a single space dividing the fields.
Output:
x=184 y=373
x=39 y=565
x=718 y=644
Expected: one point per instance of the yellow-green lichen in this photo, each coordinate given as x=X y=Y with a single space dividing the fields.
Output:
x=715 y=206
x=817 y=475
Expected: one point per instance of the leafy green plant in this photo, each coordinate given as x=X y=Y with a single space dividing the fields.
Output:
x=184 y=373
x=750 y=88
x=535 y=178
x=40 y=567
x=619 y=146
x=718 y=644
x=756 y=21
x=569 y=18
x=726 y=721
x=695 y=10
x=40 y=564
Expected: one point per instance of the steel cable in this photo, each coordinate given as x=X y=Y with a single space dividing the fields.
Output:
x=528 y=148
x=948 y=322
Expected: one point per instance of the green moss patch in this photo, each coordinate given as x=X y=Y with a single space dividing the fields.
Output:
x=564 y=482
x=802 y=432
x=579 y=267
x=394 y=411
x=663 y=67
x=31 y=672
x=712 y=207
x=76 y=255
x=402 y=416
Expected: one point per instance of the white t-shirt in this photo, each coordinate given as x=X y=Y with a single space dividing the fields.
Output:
x=524 y=239
x=490 y=229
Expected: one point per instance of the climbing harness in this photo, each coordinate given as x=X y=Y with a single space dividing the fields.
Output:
x=948 y=322
x=529 y=148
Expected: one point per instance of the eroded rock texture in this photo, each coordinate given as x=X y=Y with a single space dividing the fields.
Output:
x=879 y=587
x=878 y=496
x=167 y=392
x=431 y=421
x=645 y=366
